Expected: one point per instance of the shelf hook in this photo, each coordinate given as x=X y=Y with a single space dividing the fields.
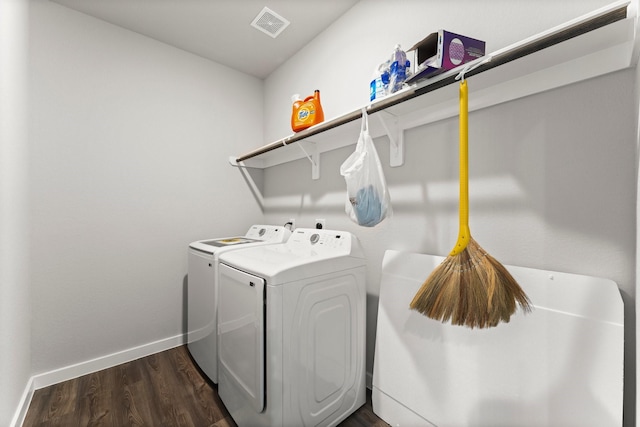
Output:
x=472 y=66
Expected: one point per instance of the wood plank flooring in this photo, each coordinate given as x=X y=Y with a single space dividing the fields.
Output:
x=164 y=389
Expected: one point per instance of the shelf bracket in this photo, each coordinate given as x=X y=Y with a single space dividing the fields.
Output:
x=396 y=138
x=314 y=158
x=257 y=194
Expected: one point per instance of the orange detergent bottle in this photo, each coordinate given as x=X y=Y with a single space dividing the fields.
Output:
x=306 y=113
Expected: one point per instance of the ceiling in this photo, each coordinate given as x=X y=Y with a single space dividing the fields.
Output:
x=220 y=30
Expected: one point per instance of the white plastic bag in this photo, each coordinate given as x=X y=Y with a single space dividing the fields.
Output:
x=368 y=201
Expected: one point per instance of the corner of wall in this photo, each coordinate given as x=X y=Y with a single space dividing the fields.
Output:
x=15 y=299
x=23 y=406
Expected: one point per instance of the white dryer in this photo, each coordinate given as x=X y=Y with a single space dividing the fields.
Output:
x=291 y=331
x=202 y=293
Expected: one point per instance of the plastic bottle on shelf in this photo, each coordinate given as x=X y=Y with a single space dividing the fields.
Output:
x=379 y=86
x=306 y=113
x=397 y=69
x=407 y=70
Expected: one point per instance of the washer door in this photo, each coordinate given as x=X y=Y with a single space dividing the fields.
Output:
x=241 y=333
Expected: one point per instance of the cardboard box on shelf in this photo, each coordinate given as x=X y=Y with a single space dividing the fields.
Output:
x=441 y=51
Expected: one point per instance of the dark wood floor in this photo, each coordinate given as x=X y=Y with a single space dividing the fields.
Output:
x=164 y=389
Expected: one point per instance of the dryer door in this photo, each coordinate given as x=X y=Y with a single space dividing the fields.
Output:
x=201 y=312
x=241 y=333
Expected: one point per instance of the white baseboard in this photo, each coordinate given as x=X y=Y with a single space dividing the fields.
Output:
x=23 y=407
x=83 y=368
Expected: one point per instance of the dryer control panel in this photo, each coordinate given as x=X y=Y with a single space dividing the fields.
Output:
x=320 y=241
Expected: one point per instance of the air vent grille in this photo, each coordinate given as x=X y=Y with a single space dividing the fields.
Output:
x=270 y=22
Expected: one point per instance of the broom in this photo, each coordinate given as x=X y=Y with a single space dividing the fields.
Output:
x=469 y=287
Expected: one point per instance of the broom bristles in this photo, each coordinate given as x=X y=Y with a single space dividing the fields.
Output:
x=470 y=289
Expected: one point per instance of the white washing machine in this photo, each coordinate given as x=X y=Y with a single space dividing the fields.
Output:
x=291 y=331
x=202 y=293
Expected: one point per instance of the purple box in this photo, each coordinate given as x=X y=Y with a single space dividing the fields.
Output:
x=441 y=51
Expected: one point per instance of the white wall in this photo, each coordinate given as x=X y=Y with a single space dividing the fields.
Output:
x=129 y=147
x=15 y=354
x=553 y=176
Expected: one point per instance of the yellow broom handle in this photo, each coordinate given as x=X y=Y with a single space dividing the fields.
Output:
x=463 y=233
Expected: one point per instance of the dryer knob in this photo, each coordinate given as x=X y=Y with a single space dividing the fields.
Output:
x=314 y=238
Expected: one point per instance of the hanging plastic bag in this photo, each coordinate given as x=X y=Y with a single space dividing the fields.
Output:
x=368 y=201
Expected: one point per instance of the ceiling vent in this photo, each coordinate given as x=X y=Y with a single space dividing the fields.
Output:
x=270 y=22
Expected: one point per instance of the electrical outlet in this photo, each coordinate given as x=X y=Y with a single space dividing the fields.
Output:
x=319 y=223
x=291 y=222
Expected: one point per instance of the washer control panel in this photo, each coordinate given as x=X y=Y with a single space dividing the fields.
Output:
x=268 y=233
